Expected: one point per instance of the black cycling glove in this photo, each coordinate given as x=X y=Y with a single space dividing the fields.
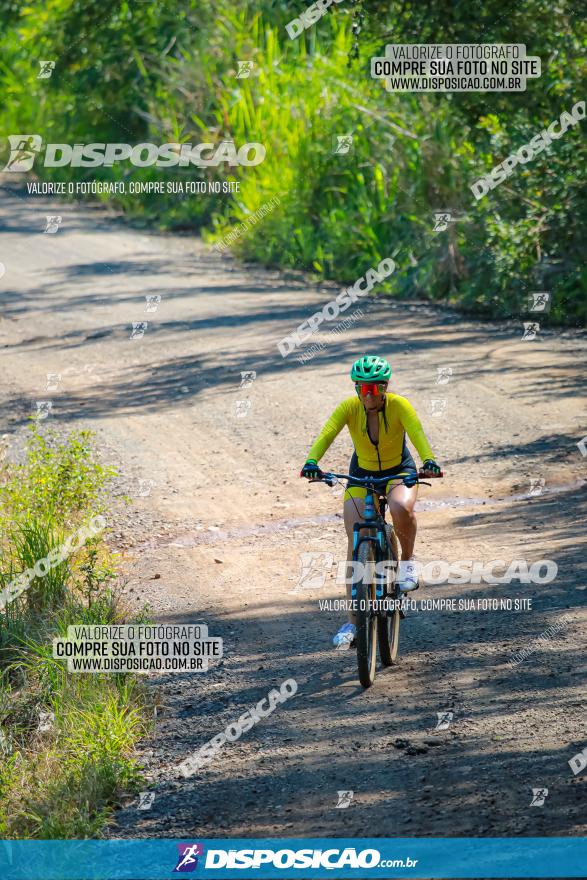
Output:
x=311 y=470
x=432 y=468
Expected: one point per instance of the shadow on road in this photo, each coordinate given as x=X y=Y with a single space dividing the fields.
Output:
x=514 y=726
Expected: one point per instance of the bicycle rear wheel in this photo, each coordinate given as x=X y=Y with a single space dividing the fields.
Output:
x=366 y=617
x=388 y=623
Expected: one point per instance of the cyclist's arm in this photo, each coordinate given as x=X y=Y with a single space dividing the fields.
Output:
x=414 y=429
x=329 y=432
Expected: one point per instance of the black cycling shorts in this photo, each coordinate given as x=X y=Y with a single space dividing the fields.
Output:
x=406 y=466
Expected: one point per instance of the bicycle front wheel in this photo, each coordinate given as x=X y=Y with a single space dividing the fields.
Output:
x=388 y=623
x=366 y=616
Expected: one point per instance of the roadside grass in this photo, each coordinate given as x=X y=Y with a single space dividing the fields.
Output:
x=66 y=740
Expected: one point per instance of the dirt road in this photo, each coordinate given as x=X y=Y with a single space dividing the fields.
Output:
x=219 y=518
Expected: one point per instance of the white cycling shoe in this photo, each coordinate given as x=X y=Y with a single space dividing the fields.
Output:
x=345 y=637
x=408 y=576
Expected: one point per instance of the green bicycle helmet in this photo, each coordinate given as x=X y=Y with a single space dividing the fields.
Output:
x=370 y=368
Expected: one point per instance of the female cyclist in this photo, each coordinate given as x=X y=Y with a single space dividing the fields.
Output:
x=378 y=422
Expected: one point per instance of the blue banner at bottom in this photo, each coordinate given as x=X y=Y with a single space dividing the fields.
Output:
x=272 y=858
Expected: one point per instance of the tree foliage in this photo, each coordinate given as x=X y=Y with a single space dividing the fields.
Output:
x=130 y=71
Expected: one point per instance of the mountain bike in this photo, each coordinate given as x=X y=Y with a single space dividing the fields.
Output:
x=374 y=590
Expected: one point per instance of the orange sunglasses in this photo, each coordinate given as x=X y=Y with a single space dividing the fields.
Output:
x=365 y=388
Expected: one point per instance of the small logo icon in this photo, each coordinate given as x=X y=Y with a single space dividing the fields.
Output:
x=247 y=378
x=188 y=857
x=539 y=795
x=152 y=303
x=144 y=488
x=444 y=719
x=47 y=68
x=242 y=408
x=43 y=409
x=53 y=223
x=88 y=371
x=244 y=69
x=23 y=149
x=537 y=485
x=138 y=329
x=540 y=301
x=438 y=405
x=46 y=721
x=344 y=144
x=314 y=565
x=582 y=444
x=443 y=375
x=146 y=799
x=531 y=328
x=578 y=762
x=344 y=799
x=53 y=380
x=441 y=220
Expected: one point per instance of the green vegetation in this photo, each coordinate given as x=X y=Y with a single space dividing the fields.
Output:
x=66 y=741
x=60 y=479
x=167 y=73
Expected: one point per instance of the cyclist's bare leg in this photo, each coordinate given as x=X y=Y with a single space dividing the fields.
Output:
x=401 y=502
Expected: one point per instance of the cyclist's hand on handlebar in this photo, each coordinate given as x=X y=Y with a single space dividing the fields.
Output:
x=311 y=470
x=431 y=469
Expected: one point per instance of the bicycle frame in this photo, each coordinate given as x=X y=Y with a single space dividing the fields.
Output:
x=377 y=626
x=373 y=519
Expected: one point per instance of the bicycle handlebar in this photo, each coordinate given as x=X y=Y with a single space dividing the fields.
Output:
x=330 y=478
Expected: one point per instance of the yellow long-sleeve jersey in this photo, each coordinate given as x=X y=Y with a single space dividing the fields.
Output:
x=401 y=419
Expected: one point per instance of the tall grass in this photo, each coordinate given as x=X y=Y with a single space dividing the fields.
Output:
x=62 y=782
x=150 y=72
x=34 y=540
x=339 y=213
x=59 y=478
x=42 y=500
x=65 y=782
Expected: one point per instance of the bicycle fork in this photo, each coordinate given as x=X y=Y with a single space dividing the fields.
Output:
x=373 y=571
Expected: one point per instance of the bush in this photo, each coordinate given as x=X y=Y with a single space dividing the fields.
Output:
x=62 y=782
